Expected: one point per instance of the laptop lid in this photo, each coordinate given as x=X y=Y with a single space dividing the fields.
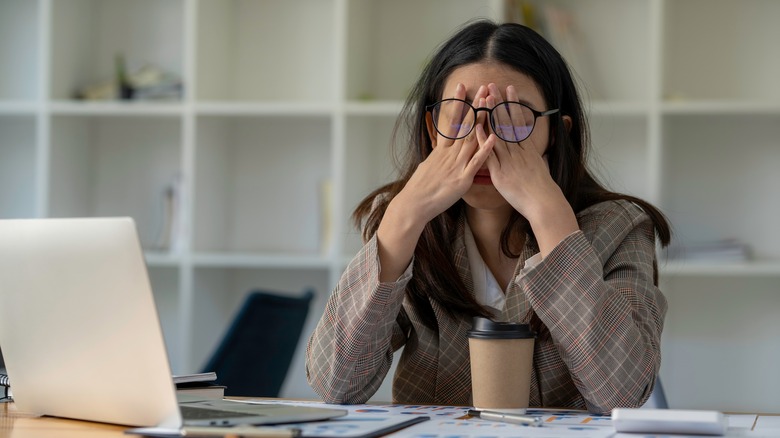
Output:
x=80 y=332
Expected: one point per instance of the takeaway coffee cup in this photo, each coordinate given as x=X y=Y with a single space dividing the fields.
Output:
x=501 y=358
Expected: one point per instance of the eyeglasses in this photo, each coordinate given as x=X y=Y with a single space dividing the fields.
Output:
x=511 y=121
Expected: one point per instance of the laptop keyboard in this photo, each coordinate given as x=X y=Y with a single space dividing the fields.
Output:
x=191 y=413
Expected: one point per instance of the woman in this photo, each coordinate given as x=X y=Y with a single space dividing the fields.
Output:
x=496 y=215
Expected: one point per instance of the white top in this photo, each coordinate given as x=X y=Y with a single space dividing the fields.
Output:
x=487 y=291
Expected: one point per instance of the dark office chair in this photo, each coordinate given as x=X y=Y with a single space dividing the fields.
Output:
x=255 y=353
x=657 y=399
x=659 y=395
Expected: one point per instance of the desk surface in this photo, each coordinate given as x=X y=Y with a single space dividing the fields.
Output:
x=21 y=425
x=15 y=424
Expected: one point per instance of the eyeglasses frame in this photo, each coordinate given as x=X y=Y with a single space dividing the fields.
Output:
x=537 y=114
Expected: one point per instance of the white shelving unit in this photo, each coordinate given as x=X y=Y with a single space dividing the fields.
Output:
x=285 y=125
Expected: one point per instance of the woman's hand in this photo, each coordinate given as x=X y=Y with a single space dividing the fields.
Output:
x=437 y=183
x=521 y=174
x=448 y=172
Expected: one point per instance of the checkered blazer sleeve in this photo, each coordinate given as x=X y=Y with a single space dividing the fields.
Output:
x=351 y=349
x=595 y=293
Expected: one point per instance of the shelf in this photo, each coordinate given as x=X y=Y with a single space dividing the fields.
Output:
x=296 y=109
x=18 y=108
x=160 y=259
x=617 y=108
x=376 y=108
x=255 y=260
x=117 y=108
x=721 y=107
x=719 y=269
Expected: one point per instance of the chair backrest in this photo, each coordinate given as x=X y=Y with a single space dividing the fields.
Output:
x=256 y=351
x=657 y=399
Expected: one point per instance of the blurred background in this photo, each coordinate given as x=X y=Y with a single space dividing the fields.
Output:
x=240 y=134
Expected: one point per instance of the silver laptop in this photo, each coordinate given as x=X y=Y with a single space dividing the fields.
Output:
x=81 y=337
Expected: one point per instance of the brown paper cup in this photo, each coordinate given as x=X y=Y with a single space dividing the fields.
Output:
x=501 y=359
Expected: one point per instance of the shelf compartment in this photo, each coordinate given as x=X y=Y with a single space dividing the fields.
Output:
x=370 y=162
x=18 y=176
x=258 y=183
x=719 y=326
x=165 y=285
x=721 y=49
x=19 y=48
x=96 y=163
x=610 y=62
x=87 y=35
x=720 y=180
x=239 y=56
x=218 y=293
x=388 y=42
x=619 y=152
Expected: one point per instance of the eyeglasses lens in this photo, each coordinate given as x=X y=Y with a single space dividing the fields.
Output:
x=454 y=118
x=512 y=121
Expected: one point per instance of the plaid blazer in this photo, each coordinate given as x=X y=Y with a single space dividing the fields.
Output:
x=592 y=302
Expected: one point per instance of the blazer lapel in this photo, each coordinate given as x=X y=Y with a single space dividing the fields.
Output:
x=454 y=375
x=517 y=308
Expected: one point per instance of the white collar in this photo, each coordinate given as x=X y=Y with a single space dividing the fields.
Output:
x=487 y=291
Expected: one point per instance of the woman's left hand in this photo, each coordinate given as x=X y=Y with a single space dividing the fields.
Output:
x=521 y=174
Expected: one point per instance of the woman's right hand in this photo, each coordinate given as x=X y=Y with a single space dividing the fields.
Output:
x=437 y=183
x=448 y=171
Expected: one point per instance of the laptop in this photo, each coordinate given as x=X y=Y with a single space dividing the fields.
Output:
x=81 y=337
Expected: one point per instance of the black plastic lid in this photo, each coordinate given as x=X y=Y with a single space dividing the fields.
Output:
x=483 y=328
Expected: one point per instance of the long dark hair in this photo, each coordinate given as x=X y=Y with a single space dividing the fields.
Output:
x=524 y=50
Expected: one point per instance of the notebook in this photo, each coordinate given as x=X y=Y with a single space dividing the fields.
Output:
x=81 y=337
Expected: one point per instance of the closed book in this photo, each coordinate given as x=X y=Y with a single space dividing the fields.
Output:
x=207 y=391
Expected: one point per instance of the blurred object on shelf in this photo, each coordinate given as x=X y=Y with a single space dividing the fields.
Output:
x=724 y=251
x=151 y=83
x=522 y=12
x=122 y=82
x=99 y=91
x=169 y=238
x=146 y=83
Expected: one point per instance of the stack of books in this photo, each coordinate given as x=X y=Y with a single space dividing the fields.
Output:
x=199 y=385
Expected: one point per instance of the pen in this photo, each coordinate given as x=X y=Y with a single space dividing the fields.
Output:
x=506 y=417
x=240 y=431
